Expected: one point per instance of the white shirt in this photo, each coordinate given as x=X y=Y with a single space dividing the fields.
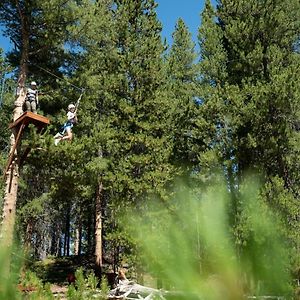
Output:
x=31 y=94
x=70 y=115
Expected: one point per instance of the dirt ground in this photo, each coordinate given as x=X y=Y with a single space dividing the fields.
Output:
x=60 y=291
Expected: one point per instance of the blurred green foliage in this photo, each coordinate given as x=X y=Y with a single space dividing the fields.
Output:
x=190 y=245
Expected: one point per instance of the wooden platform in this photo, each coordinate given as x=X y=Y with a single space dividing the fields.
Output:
x=30 y=118
x=19 y=125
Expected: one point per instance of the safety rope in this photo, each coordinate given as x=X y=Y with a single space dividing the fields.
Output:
x=58 y=77
x=78 y=101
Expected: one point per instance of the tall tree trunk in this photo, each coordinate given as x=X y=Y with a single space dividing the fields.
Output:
x=12 y=174
x=53 y=249
x=58 y=240
x=60 y=247
x=76 y=241
x=28 y=236
x=89 y=233
x=55 y=240
x=67 y=234
x=98 y=225
x=78 y=237
x=12 y=177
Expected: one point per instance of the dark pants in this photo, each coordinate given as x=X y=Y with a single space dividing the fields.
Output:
x=31 y=106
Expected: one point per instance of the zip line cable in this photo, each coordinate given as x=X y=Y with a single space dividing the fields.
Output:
x=58 y=77
x=82 y=90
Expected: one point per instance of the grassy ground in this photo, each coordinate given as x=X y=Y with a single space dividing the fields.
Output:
x=55 y=271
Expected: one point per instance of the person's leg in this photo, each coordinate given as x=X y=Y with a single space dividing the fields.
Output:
x=69 y=134
x=58 y=135
x=57 y=140
x=28 y=105
x=33 y=107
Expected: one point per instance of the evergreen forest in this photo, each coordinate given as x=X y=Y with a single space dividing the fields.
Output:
x=184 y=166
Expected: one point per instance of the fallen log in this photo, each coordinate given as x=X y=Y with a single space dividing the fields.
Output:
x=129 y=290
x=133 y=290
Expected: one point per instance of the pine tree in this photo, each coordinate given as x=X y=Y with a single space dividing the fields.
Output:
x=126 y=109
x=95 y=35
x=250 y=61
x=212 y=115
x=4 y=103
x=30 y=26
x=183 y=79
x=142 y=103
x=37 y=29
x=5 y=110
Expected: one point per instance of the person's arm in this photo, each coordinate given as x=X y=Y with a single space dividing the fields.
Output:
x=70 y=115
x=75 y=115
x=37 y=98
x=26 y=94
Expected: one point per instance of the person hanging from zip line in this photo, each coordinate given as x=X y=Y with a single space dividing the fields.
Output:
x=66 y=133
x=32 y=99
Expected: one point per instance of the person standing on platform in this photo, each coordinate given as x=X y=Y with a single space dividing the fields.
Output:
x=32 y=100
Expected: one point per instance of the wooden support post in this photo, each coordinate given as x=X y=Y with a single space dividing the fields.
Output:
x=23 y=121
x=12 y=154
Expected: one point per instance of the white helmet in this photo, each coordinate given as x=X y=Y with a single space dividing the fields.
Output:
x=70 y=106
x=33 y=83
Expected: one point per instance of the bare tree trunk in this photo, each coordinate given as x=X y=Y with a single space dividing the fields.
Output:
x=55 y=239
x=89 y=233
x=12 y=181
x=67 y=234
x=59 y=249
x=68 y=231
x=98 y=225
x=79 y=238
x=12 y=174
x=53 y=249
x=65 y=244
x=28 y=236
x=77 y=241
x=58 y=240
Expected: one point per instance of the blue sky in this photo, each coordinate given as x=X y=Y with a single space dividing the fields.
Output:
x=169 y=11
x=4 y=42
